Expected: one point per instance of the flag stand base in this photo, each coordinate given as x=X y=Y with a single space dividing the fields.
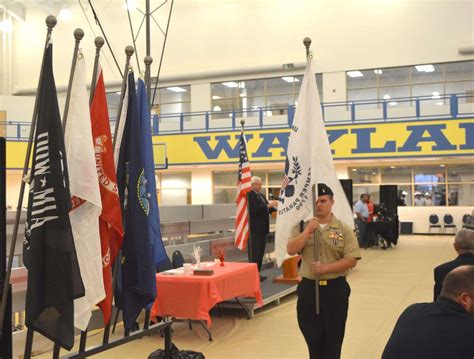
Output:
x=290 y=272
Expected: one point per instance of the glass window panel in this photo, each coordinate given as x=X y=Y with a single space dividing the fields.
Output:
x=369 y=79
x=437 y=193
x=175 y=196
x=227 y=178
x=280 y=101
x=394 y=92
x=362 y=94
x=461 y=173
x=223 y=91
x=396 y=175
x=461 y=194
x=228 y=104
x=167 y=96
x=253 y=88
x=462 y=87
x=297 y=85
x=176 y=180
x=459 y=70
x=427 y=89
x=364 y=175
x=275 y=178
x=174 y=108
x=394 y=76
x=279 y=86
x=319 y=82
x=419 y=77
x=429 y=174
x=255 y=102
x=225 y=195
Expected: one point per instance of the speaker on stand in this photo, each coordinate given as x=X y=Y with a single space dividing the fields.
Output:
x=388 y=196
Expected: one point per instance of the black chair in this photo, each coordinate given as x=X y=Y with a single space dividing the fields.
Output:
x=177 y=259
x=434 y=223
x=449 y=223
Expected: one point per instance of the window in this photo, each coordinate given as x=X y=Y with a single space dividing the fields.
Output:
x=411 y=81
x=450 y=185
x=171 y=99
x=175 y=188
x=250 y=95
x=225 y=184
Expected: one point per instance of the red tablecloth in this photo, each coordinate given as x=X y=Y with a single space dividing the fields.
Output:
x=191 y=296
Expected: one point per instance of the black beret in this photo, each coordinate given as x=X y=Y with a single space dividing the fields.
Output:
x=324 y=190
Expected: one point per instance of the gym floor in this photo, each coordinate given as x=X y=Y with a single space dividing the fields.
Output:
x=383 y=284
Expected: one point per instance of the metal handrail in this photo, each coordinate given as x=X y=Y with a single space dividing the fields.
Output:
x=350 y=112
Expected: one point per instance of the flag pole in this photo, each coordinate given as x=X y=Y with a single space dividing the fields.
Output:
x=99 y=42
x=309 y=55
x=129 y=50
x=249 y=242
x=78 y=35
x=148 y=60
x=50 y=23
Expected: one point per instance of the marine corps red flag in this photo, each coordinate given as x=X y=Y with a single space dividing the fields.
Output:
x=110 y=221
x=54 y=279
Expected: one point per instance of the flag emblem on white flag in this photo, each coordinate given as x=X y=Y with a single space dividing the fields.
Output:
x=308 y=161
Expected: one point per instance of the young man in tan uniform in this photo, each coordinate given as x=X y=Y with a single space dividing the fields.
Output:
x=338 y=252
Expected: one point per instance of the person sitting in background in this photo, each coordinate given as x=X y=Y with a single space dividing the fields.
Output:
x=428 y=201
x=419 y=201
x=464 y=246
x=439 y=330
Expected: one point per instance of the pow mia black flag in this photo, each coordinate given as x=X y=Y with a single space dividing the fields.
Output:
x=54 y=279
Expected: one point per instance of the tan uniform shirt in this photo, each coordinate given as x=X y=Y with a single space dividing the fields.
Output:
x=335 y=241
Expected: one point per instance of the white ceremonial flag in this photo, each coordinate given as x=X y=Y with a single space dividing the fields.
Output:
x=308 y=162
x=85 y=197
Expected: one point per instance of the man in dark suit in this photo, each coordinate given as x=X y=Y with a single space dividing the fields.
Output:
x=464 y=245
x=439 y=330
x=259 y=210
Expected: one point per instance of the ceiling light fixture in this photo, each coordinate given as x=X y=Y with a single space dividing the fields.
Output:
x=231 y=84
x=65 y=14
x=176 y=89
x=355 y=74
x=393 y=103
x=215 y=97
x=378 y=71
x=425 y=68
x=290 y=79
x=387 y=97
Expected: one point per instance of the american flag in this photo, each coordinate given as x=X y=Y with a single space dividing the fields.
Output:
x=242 y=217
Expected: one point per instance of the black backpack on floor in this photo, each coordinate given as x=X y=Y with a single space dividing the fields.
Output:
x=176 y=354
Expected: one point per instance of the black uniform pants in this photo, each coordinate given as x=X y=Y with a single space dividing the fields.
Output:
x=256 y=248
x=323 y=333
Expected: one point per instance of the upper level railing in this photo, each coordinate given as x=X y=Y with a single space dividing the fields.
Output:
x=334 y=113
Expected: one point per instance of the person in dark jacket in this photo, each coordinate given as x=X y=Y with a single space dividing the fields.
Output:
x=438 y=330
x=464 y=245
x=259 y=210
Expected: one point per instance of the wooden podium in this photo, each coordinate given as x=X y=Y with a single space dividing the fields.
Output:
x=290 y=272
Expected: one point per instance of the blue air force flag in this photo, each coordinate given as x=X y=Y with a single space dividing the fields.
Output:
x=138 y=288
